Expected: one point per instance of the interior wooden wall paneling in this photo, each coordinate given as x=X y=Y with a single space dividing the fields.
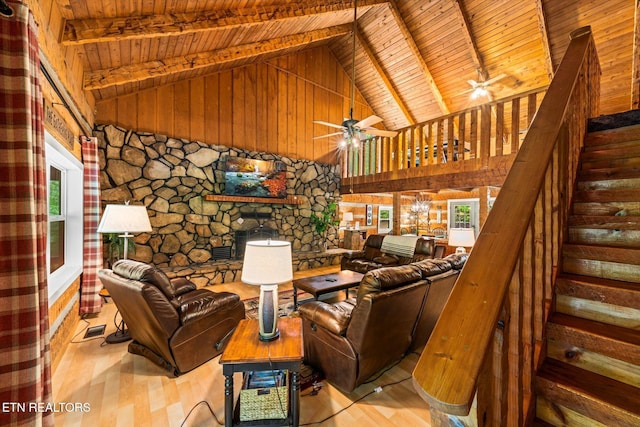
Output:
x=267 y=106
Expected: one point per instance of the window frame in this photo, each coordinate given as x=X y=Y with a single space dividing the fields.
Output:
x=72 y=192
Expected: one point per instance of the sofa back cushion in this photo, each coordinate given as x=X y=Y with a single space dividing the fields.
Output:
x=457 y=260
x=387 y=278
x=425 y=247
x=431 y=267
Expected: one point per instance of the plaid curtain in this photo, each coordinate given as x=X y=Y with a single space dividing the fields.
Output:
x=90 y=301
x=25 y=372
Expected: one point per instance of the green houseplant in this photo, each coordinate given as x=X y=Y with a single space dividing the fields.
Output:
x=322 y=221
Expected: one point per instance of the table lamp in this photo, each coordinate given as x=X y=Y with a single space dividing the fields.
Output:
x=123 y=219
x=267 y=263
x=461 y=238
x=347 y=217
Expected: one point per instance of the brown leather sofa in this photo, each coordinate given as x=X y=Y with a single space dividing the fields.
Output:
x=371 y=256
x=172 y=323
x=393 y=313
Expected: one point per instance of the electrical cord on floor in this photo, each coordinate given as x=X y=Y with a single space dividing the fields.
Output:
x=374 y=391
x=86 y=339
x=210 y=410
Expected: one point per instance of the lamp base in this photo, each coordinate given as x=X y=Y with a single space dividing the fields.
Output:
x=269 y=337
x=268 y=313
x=460 y=250
x=120 y=335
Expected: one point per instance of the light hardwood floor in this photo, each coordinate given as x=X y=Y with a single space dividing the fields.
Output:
x=122 y=389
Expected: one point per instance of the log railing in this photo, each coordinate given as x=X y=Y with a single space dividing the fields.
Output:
x=480 y=362
x=490 y=130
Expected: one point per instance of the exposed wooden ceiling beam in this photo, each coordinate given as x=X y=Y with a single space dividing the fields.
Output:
x=385 y=78
x=418 y=56
x=468 y=37
x=100 y=79
x=635 y=69
x=544 y=36
x=80 y=31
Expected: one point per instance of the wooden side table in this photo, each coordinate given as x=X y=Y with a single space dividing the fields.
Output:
x=245 y=352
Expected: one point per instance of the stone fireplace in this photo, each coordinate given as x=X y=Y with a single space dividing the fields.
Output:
x=172 y=178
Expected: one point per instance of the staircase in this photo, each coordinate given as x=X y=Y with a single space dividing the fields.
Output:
x=591 y=374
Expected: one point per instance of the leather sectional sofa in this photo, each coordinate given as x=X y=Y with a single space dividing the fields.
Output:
x=394 y=313
x=172 y=323
x=371 y=256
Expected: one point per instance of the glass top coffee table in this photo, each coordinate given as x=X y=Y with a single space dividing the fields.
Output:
x=326 y=283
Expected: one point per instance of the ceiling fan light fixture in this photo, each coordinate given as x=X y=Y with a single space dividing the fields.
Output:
x=479 y=92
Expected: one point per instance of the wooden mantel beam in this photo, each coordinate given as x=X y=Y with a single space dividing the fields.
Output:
x=418 y=56
x=80 y=31
x=385 y=78
x=100 y=79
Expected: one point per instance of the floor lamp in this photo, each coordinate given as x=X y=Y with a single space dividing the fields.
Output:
x=124 y=219
x=267 y=263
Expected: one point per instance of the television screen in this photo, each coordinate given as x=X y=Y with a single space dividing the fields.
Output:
x=255 y=178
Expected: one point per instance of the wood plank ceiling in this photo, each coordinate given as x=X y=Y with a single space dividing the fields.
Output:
x=413 y=58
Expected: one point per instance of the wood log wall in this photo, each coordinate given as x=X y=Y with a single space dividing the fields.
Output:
x=267 y=107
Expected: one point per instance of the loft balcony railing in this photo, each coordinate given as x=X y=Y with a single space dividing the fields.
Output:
x=474 y=136
x=479 y=365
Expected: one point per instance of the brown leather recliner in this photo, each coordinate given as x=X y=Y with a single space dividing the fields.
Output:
x=172 y=323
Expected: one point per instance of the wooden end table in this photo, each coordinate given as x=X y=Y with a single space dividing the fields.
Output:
x=245 y=352
x=326 y=283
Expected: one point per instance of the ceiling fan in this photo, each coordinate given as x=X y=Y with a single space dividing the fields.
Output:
x=481 y=87
x=352 y=129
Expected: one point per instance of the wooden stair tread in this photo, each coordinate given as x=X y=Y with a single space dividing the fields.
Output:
x=608 y=195
x=619 y=150
x=611 y=402
x=610 y=340
x=614 y=222
x=602 y=253
x=612 y=136
x=600 y=174
x=608 y=291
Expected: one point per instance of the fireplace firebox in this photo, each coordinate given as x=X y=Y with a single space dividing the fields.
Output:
x=258 y=233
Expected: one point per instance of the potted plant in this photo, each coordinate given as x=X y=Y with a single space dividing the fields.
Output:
x=323 y=221
x=115 y=243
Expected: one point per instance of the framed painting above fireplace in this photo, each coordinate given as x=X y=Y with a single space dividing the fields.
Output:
x=255 y=178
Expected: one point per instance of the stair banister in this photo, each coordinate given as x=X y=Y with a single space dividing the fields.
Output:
x=477 y=354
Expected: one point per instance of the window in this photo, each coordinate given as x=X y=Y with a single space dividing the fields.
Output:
x=464 y=213
x=64 y=251
x=56 y=219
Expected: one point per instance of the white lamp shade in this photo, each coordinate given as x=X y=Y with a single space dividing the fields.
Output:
x=463 y=237
x=267 y=262
x=347 y=216
x=124 y=218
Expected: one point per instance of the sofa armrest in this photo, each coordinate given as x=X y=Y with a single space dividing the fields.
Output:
x=182 y=286
x=333 y=317
x=353 y=254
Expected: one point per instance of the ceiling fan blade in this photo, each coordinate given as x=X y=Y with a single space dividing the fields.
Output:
x=473 y=83
x=332 y=125
x=328 y=135
x=369 y=121
x=379 y=132
x=495 y=79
